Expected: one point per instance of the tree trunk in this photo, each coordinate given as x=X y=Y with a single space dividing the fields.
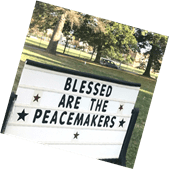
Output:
x=98 y=56
x=65 y=45
x=94 y=48
x=148 y=68
x=56 y=35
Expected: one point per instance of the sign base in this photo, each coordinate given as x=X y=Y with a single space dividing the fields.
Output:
x=122 y=158
x=9 y=108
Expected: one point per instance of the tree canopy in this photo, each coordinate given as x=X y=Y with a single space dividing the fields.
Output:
x=45 y=16
x=109 y=38
x=156 y=44
x=48 y=16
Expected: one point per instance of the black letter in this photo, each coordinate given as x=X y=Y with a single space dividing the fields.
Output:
x=62 y=101
x=77 y=102
x=100 y=120
x=93 y=100
x=62 y=122
x=90 y=88
x=68 y=82
x=69 y=101
x=114 y=117
x=45 y=116
x=109 y=90
x=74 y=90
x=96 y=89
x=104 y=105
x=93 y=120
x=79 y=120
x=87 y=120
x=82 y=86
x=38 y=113
x=54 y=118
x=106 y=121
x=70 y=118
x=98 y=105
x=102 y=90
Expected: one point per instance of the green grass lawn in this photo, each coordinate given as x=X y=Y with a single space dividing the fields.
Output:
x=80 y=54
x=143 y=100
x=60 y=48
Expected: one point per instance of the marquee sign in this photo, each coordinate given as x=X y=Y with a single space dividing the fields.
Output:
x=74 y=111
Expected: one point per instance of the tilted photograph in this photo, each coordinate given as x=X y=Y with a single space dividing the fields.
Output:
x=84 y=84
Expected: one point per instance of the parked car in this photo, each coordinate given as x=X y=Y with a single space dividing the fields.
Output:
x=108 y=63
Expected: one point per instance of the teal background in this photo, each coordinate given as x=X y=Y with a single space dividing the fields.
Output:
x=15 y=18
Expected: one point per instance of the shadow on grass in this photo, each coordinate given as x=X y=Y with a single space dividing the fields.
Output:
x=67 y=52
x=63 y=61
x=78 y=55
x=31 y=41
x=81 y=59
x=43 y=60
x=59 y=51
x=34 y=46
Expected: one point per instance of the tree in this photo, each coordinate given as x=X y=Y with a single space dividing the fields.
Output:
x=120 y=42
x=48 y=16
x=70 y=15
x=156 y=44
x=107 y=37
x=90 y=31
x=44 y=16
x=67 y=32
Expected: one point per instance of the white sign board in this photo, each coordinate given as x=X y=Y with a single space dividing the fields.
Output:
x=80 y=114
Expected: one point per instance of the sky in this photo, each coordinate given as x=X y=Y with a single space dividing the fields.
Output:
x=145 y=50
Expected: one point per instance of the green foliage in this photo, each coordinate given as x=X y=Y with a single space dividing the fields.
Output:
x=111 y=39
x=156 y=43
x=67 y=28
x=108 y=38
x=120 y=41
x=44 y=16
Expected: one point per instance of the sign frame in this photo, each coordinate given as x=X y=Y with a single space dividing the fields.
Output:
x=122 y=157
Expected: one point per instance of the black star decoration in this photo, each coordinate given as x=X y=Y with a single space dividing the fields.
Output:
x=76 y=135
x=36 y=98
x=22 y=115
x=121 y=123
x=121 y=107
